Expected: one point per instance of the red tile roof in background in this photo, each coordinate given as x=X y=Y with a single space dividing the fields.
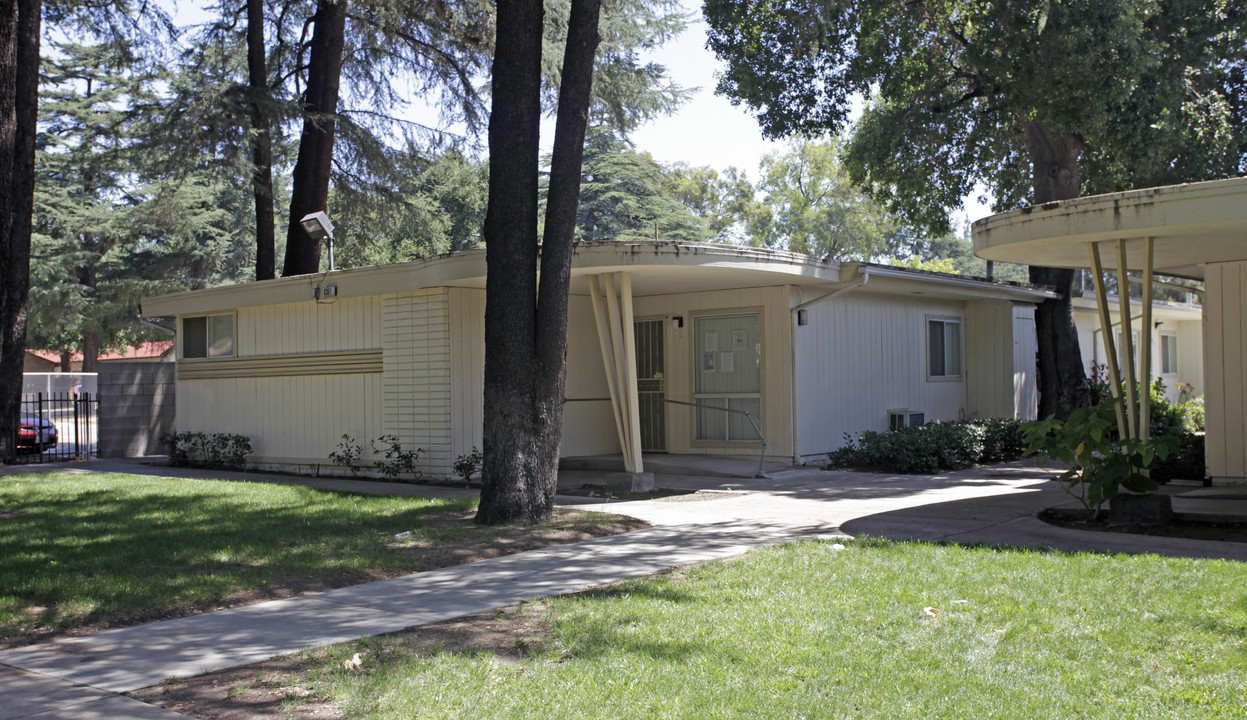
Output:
x=142 y=351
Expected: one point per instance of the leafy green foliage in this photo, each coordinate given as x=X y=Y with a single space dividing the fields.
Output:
x=1154 y=92
x=622 y=198
x=1186 y=462
x=394 y=461
x=1098 y=461
x=111 y=223
x=347 y=454
x=952 y=254
x=225 y=451
x=724 y=203
x=430 y=206
x=933 y=447
x=815 y=209
x=465 y=466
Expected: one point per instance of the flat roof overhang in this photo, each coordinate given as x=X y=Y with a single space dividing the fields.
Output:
x=1192 y=225
x=657 y=268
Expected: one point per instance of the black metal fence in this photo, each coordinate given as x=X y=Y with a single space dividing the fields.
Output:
x=58 y=426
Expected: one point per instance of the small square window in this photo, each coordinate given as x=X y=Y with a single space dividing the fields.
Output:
x=208 y=336
x=943 y=348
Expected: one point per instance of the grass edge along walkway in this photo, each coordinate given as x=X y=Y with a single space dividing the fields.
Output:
x=81 y=552
x=876 y=630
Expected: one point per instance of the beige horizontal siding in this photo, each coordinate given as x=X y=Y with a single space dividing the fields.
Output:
x=359 y=362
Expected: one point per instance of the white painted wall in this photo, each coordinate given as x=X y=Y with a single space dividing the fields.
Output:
x=297 y=420
x=467 y=369
x=989 y=369
x=1225 y=369
x=588 y=423
x=861 y=355
x=1190 y=335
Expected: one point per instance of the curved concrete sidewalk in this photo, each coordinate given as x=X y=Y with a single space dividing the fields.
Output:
x=80 y=677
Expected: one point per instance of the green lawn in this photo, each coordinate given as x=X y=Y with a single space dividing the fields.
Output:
x=805 y=631
x=93 y=550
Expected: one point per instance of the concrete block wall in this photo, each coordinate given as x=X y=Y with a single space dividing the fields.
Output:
x=137 y=404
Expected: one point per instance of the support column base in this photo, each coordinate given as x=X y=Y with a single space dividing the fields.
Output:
x=627 y=483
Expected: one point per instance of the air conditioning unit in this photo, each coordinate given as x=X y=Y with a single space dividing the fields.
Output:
x=898 y=419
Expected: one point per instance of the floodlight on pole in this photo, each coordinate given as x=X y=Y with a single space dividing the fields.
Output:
x=319 y=228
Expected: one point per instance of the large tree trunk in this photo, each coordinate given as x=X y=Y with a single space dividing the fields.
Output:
x=91 y=351
x=1062 y=383
x=19 y=96
x=91 y=335
x=310 y=179
x=556 y=247
x=526 y=344
x=261 y=144
x=507 y=493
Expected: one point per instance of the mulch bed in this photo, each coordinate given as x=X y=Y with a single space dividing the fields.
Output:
x=1079 y=519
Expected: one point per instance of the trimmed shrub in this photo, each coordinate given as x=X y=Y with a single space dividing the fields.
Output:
x=216 y=450
x=931 y=448
x=1187 y=463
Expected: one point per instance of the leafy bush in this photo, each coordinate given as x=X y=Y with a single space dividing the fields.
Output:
x=395 y=461
x=930 y=448
x=1192 y=414
x=1099 y=463
x=216 y=450
x=1186 y=463
x=466 y=465
x=1003 y=439
x=347 y=454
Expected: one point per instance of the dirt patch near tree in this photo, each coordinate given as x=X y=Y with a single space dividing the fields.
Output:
x=277 y=689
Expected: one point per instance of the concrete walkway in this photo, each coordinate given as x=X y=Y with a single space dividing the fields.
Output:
x=82 y=677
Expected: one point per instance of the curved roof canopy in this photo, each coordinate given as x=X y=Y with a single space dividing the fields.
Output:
x=1192 y=224
x=658 y=268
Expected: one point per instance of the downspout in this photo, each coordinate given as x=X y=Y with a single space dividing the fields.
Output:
x=792 y=350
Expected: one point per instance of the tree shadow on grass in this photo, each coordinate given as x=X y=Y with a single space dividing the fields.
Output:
x=139 y=552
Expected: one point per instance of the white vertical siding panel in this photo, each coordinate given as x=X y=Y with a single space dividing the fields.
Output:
x=1191 y=354
x=588 y=427
x=1232 y=335
x=1215 y=399
x=862 y=354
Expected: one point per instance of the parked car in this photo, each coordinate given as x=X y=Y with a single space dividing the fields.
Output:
x=35 y=435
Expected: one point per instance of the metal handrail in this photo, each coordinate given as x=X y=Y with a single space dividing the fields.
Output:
x=758 y=430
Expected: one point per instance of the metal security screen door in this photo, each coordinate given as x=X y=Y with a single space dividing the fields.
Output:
x=729 y=375
x=651 y=384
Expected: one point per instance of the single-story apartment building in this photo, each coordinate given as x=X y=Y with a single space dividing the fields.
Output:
x=811 y=349
x=1196 y=231
x=1177 y=342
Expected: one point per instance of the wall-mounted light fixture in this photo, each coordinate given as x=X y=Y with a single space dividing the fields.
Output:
x=319 y=228
x=803 y=317
x=677 y=322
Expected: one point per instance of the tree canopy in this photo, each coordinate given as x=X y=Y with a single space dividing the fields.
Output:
x=1148 y=92
x=622 y=196
x=1036 y=99
x=810 y=206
